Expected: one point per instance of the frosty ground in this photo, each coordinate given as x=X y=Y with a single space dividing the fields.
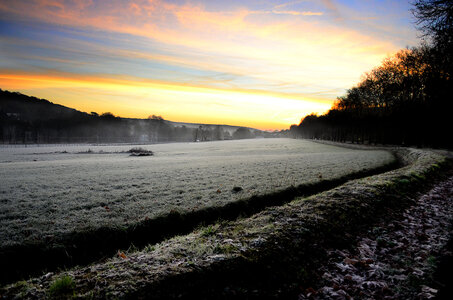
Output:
x=47 y=191
x=276 y=250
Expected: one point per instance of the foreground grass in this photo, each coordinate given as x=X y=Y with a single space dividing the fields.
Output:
x=87 y=207
x=62 y=288
x=269 y=253
x=58 y=196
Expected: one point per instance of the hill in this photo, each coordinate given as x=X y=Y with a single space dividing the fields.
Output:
x=26 y=119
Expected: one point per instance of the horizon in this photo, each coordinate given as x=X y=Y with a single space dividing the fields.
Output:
x=263 y=65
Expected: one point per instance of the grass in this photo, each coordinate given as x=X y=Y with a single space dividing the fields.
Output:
x=90 y=245
x=208 y=231
x=225 y=249
x=149 y=248
x=133 y=200
x=298 y=231
x=62 y=288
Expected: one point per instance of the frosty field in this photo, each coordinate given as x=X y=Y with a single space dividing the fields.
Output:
x=47 y=192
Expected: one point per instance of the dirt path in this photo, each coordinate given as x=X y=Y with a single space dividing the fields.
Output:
x=394 y=260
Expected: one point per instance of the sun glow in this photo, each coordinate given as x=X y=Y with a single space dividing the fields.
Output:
x=199 y=104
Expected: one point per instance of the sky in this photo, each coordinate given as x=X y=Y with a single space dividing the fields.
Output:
x=262 y=64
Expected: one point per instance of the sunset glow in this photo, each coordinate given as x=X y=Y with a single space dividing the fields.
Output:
x=262 y=64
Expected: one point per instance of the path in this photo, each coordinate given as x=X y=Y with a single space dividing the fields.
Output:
x=394 y=260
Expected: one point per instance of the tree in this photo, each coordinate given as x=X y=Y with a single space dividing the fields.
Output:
x=406 y=100
x=435 y=20
x=108 y=115
x=243 y=133
x=157 y=118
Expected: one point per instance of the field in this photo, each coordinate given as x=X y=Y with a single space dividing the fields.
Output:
x=47 y=192
x=95 y=222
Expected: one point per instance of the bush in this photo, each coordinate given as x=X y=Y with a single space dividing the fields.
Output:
x=138 y=151
x=62 y=288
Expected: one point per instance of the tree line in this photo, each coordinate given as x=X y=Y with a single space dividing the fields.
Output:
x=29 y=120
x=407 y=100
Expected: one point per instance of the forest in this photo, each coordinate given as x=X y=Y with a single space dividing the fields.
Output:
x=407 y=100
x=29 y=120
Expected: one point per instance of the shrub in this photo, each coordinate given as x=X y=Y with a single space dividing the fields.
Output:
x=208 y=231
x=138 y=151
x=62 y=288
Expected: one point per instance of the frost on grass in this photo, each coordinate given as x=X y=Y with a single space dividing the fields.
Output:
x=45 y=195
x=283 y=230
x=394 y=260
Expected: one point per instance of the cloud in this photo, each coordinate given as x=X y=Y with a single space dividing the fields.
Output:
x=238 y=42
x=330 y=5
x=288 y=4
x=297 y=13
x=55 y=78
x=241 y=52
x=185 y=25
x=222 y=35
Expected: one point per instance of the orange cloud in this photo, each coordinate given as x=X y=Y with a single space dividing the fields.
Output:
x=191 y=26
x=61 y=79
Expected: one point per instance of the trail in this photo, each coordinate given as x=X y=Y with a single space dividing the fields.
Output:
x=394 y=260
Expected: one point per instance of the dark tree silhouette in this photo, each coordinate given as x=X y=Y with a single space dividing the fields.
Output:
x=25 y=119
x=243 y=133
x=154 y=117
x=435 y=19
x=407 y=100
